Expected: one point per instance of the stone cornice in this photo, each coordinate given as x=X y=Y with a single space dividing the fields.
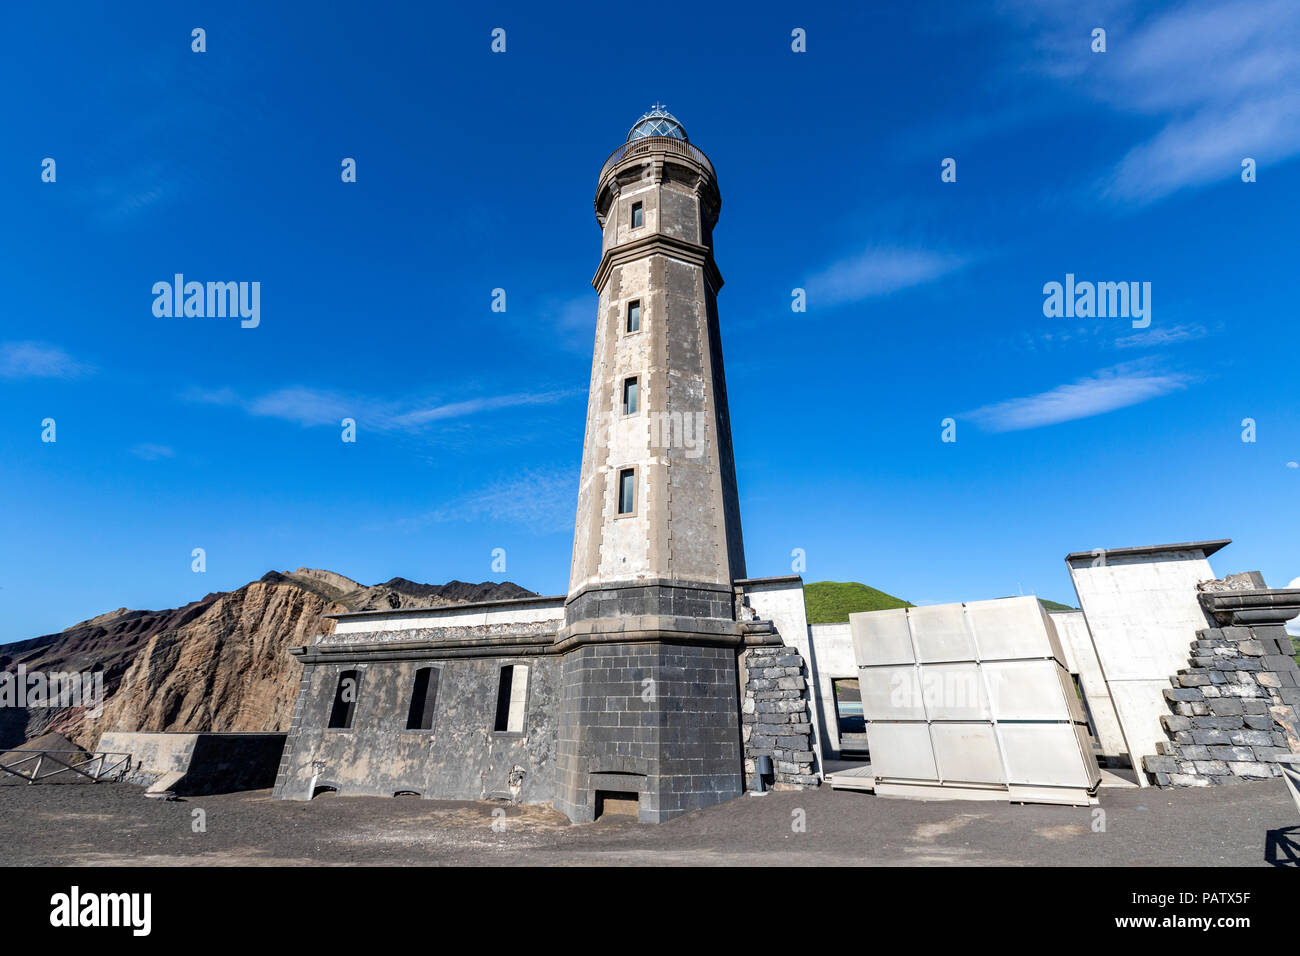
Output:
x=663 y=244
x=462 y=643
x=628 y=583
x=1269 y=606
x=567 y=641
x=745 y=584
x=513 y=645
x=542 y=645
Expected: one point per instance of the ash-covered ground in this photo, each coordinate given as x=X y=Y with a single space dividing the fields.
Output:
x=115 y=824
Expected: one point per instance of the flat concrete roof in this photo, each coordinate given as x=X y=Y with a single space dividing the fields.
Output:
x=451 y=608
x=1208 y=547
x=778 y=579
x=196 y=733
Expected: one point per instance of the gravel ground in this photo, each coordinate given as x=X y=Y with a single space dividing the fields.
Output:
x=114 y=824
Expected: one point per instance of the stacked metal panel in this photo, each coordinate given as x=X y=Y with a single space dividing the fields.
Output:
x=972 y=701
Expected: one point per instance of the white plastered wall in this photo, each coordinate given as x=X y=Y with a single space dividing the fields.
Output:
x=1143 y=614
x=832 y=660
x=472 y=615
x=1081 y=660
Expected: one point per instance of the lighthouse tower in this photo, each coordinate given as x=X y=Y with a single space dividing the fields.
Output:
x=648 y=702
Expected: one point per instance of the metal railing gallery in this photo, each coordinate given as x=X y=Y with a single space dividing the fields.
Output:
x=648 y=144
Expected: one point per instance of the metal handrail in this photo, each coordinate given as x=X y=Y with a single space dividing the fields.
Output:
x=100 y=758
x=670 y=144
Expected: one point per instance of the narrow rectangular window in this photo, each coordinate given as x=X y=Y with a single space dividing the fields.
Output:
x=627 y=491
x=634 y=316
x=638 y=217
x=345 y=701
x=512 y=695
x=629 y=396
x=424 y=700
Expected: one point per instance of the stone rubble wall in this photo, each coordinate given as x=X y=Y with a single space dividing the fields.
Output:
x=1234 y=710
x=775 y=718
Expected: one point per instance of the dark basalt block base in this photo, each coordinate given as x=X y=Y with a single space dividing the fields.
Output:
x=652 y=719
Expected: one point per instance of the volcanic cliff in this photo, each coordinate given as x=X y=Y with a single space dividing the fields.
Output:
x=219 y=663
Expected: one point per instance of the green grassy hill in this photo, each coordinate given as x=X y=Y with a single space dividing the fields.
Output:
x=1055 y=606
x=830 y=602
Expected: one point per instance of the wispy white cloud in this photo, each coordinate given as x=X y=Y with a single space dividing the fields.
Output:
x=1219 y=78
x=314 y=406
x=119 y=195
x=435 y=413
x=541 y=500
x=1156 y=337
x=309 y=407
x=151 y=452
x=1209 y=146
x=1100 y=334
x=20 y=360
x=1104 y=391
x=574 y=320
x=210 y=396
x=879 y=271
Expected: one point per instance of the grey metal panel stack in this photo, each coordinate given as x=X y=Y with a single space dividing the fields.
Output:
x=973 y=699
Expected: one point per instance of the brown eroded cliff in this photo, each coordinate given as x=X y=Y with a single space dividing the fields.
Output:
x=220 y=663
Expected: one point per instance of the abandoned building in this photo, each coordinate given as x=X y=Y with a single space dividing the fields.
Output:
x=632 y=686
x=668 y=677
x=1165 y=675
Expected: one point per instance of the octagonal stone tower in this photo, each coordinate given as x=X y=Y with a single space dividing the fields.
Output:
x=649 y=700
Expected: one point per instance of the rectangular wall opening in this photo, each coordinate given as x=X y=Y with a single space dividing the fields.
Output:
x=851 y=724
x=611 y=803
x=512 y=696
x=627 y=491
x=424 y=700
x=345 y=700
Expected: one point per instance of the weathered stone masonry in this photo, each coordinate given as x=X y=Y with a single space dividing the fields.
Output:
x=1236 y=708
x=652 y=719
x=461 y=756
x=775 y=719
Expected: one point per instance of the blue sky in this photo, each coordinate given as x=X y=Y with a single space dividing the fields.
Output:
x=476 y=171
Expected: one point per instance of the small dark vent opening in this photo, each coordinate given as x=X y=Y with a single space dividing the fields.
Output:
x=610 y=803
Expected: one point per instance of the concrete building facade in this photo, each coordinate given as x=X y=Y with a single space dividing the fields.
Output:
x=1141 y=609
